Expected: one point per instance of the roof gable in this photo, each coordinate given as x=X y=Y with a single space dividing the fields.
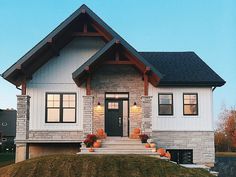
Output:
x=50 y=46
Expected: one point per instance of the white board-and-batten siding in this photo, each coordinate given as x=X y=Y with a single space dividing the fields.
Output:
x=178 y=121
x=56 y=76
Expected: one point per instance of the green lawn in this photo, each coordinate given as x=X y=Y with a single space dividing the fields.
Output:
x=225 y=154
x=6 y=159
x=99 y=166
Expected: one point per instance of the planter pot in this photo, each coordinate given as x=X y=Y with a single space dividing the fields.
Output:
x=91 y=150
x=147 y=145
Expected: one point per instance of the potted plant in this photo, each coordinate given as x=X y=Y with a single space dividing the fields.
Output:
x=88 y=143
x=143 y=138
x=90 y=139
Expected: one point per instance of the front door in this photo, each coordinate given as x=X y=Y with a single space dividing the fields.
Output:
x=114 y=117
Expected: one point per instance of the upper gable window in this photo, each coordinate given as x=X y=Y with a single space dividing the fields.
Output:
x=190 y=103
x=165 y=104
x=60 y=107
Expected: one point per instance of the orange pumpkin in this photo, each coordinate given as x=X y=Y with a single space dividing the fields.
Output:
x=168 y=155
x=161 y=151
x=152 y=145
x=147 y=145
x=100 y=132
x=136 y=131
x=91 y=150
x=97 y=144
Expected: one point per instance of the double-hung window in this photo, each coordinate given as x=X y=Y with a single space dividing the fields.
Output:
x=165 y=104
x=190 y=106
x=60 y=107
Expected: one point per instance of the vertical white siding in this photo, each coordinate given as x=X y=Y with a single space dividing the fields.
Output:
x=178 y=122
x=56 y=76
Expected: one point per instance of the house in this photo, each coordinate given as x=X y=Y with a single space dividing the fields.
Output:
x=83 y=77
x=7 y=130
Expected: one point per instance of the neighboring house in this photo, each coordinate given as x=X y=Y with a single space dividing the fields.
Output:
x=7 y=130
x=83 y=76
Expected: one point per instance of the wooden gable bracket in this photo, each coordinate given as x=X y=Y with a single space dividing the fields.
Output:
x=145 y=79
x=54 y=48
x=135 y=62
x=23 y=87
x=26 y=75
x=103 y=34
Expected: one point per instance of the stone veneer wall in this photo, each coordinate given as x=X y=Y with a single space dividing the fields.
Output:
x=201 y=142
x=22 y=126
x=147 y=115
x=115 y=78
x=55 y=135
x=87 y=114
x=22 y=121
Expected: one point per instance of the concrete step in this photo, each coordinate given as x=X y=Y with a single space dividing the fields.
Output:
x=137 y=152
x=119 y=149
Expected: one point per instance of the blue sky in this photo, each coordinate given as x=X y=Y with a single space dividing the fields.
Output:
x=207 y=27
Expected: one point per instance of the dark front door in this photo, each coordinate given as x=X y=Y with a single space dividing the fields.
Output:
x=114 y=118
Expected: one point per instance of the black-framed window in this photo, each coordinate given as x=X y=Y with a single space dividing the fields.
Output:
x=60 y=107
x=165 y=104
x=190 y=104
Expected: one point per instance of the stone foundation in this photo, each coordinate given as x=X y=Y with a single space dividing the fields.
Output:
x=201 y=142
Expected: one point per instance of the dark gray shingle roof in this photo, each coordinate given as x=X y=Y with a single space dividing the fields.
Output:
x=183 y=68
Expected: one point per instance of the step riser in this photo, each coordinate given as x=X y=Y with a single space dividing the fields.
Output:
x=122 y=146
x=121 y=142
x=114 y=150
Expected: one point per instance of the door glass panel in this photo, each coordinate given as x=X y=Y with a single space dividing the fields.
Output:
x=113 y=105
x=125 y=118
x=117 y=95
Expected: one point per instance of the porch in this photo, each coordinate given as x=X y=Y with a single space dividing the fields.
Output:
x=116 y=102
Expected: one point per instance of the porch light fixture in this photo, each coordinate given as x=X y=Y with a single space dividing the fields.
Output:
x=99 y=104
x=135 y=104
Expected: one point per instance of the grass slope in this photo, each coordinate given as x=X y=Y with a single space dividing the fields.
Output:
x=98 y=166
